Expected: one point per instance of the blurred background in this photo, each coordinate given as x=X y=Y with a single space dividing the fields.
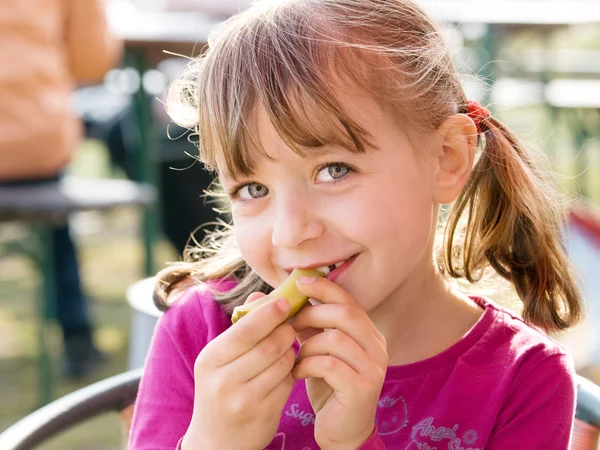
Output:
x=535 y=63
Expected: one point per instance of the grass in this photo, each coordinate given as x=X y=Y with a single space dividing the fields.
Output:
x=111 y=259
x=110 y=263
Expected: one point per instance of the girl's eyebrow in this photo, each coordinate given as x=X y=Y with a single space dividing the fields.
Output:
x=236 y=177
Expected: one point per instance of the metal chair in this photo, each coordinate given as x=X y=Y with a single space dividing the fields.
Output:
x=586 y=430
x=118 y=394
x=114 y=394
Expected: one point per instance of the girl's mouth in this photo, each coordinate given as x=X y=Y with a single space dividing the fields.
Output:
x=339 y=268
x=332 y=271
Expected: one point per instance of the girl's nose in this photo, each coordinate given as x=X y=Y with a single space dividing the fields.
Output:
x=295 y=221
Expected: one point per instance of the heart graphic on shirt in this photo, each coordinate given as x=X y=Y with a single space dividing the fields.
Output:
x=392 y=414
x=278 y=442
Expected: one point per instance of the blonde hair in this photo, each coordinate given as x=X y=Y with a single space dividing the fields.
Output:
x=291 y=59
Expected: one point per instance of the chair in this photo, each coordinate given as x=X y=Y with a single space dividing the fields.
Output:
x=45 y=204
x=587 y=416
x=114 y=394
x=118 y=394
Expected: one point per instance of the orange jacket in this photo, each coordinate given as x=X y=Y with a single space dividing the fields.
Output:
x=47 y=47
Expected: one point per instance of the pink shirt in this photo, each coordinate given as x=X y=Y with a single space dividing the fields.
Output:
x=504 y=385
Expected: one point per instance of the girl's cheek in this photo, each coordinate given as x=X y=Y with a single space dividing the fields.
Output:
x=253 y=241
x=242 y=235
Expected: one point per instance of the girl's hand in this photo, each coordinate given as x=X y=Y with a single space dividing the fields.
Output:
x=243 y=380
x=344 y=360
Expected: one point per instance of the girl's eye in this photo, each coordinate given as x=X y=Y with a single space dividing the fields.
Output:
x=333 y=172
x=252 y=191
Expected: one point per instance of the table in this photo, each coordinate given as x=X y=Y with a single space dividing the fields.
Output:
x=186 y=33
x=156 y=27
x=514 y=12
x=155 y=32
x=50 y=203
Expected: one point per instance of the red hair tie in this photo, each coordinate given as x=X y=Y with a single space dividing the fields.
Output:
x=477 y=112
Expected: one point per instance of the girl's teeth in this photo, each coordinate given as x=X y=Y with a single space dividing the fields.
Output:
x=335 y=266
x=328 y=270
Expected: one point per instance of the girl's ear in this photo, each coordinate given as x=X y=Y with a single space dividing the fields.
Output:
x=457 y=142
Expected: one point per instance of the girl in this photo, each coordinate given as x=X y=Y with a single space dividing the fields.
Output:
x=337 y=129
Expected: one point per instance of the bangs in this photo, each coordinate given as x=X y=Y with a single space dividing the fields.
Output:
x=300 y=76
x=306 y=122
x=302 y=62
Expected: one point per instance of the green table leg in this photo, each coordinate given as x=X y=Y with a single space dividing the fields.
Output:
x=581 y=138
x=577 y=124
x=487 y=72
x=146 y=160
x=45 y=309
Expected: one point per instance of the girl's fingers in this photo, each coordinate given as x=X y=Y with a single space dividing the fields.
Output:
x=269 y=379
x=306 y=333
x=253 y=297
x=350 y=321
x=347 y=384
x=264 y=355
x=245 y=334
x=281 y=392
x=327 y=292
x=337 y=344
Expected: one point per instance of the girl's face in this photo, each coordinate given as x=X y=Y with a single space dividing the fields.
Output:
x=334 y=205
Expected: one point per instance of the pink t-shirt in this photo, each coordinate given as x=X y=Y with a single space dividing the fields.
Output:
x=504 y=385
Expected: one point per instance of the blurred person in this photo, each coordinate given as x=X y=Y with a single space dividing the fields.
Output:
x=185 y=214
x=184 y=211
x=52 y=46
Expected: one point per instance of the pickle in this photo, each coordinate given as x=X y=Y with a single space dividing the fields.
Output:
x=287 y=290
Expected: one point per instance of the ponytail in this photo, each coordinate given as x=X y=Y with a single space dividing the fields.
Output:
x=514 y=223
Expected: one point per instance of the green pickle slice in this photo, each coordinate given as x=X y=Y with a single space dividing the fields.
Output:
x=287 y=290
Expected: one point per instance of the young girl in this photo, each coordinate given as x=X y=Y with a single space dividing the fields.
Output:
x=337 y=129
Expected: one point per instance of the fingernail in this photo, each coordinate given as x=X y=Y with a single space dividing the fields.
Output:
x=283 y=305
x=306 y=280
